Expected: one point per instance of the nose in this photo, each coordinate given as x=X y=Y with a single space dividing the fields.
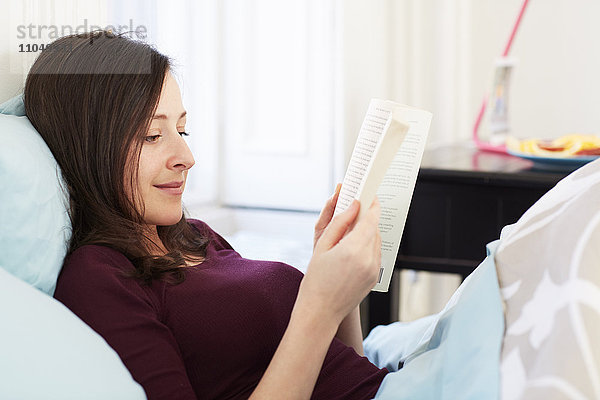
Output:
x=181 y=158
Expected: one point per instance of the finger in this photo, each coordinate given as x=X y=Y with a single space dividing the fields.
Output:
x=336 y=194
x=377 y=248
x=324 y=216
x=376 y=205
x=371 y=217
x=336 y=229
x=375 y=210
x=328 y=210
x=366 y=228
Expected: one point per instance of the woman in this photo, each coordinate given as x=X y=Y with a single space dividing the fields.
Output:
x=188 y=316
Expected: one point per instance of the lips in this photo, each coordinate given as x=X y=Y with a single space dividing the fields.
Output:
x=171 y=188
x=169 y=185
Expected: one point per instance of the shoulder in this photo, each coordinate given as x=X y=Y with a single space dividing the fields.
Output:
x=96 y=267
x=96 y=258
x=95 y=274
x=216 y=240
x=201 y=226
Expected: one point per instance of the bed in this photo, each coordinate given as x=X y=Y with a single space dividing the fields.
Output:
x=524 y=325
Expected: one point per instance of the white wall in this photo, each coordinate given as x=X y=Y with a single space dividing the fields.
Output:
x=42 y=14
x=11 y=84
x=557 y=80
x=439 y=55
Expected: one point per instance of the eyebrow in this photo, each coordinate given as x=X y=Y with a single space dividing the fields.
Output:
x=164 y=116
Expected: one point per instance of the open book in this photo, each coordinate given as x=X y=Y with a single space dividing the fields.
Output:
x=385 y=162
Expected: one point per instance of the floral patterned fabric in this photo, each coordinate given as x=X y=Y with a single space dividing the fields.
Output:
x=548 y=266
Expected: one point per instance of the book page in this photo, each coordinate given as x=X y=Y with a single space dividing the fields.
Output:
x=396 y=189
x=377 y=120
x=385 y=161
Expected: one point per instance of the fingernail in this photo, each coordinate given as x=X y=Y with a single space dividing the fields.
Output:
x=337 y=189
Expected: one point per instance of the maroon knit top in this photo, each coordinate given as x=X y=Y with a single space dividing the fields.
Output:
x=210 y=337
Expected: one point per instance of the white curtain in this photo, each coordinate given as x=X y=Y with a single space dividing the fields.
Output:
x=416 y=52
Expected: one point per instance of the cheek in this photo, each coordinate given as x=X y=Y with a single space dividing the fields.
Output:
x=145 y=174
x=141 y=181
x=128 y=183
x=146 y=165
x=149 y=170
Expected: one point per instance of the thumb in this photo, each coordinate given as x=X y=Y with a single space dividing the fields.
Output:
x=338 y=226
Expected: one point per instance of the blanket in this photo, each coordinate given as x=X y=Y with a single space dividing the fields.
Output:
x=451 y=355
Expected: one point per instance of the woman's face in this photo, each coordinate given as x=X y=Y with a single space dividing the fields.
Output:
x=165 y=159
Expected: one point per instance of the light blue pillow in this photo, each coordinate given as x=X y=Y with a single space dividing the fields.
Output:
x=14 y=106
x=34 y=224
x=46 y=352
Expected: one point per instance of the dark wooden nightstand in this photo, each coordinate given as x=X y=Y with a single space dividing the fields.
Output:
x=462 y=199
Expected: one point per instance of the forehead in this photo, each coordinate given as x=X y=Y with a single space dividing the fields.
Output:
x=170 y=97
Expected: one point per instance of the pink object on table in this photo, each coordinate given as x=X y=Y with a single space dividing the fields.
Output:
x=478 y=142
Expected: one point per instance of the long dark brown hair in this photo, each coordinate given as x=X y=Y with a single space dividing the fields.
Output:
x=91 y=97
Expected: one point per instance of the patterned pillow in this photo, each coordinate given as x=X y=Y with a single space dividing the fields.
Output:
x=548 y=266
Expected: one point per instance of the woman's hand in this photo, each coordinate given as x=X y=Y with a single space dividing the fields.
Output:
x=343 y=269
x=350 y=329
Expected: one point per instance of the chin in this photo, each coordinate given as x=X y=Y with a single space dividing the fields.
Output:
x=166 y=220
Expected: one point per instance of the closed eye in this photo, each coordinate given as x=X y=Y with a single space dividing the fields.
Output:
x=154 y=138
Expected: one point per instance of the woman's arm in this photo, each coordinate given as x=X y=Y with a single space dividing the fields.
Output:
x=350 y=331
x=342 y=271
x=295 y=367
